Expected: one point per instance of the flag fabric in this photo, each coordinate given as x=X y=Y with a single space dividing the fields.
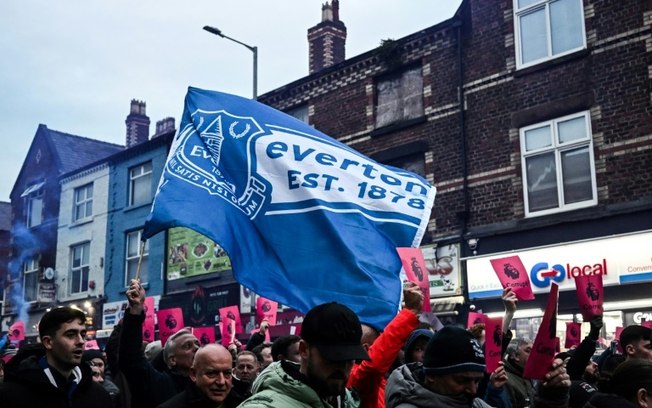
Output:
x=546 y=342
x=305 y=219
x=416 y=271
x=512 y=274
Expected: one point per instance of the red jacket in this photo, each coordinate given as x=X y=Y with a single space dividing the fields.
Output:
x=368 y=378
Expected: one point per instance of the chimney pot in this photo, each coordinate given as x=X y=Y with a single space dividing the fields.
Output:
x=137 y=124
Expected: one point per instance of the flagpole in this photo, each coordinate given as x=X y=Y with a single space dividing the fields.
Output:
x=140 y=259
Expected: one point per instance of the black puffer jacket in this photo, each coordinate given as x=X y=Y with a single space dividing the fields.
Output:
x=27 y=385
x=602 y=400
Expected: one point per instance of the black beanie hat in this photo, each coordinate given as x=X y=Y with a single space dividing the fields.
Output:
x=453 y=350
x=92 y=354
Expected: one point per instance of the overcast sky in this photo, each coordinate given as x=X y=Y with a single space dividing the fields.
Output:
x=75 y=65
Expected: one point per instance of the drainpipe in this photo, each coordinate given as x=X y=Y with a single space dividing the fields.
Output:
x=465 y=170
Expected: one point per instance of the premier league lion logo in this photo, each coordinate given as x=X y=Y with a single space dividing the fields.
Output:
x=511 y=271
x=592 y=291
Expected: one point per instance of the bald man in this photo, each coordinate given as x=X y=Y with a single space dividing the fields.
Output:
x=211 y=374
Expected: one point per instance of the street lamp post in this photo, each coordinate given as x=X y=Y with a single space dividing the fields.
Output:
x=253 y=49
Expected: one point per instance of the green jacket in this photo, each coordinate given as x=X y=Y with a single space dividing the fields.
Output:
x=279 y=386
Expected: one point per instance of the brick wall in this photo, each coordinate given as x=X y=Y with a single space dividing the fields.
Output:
x=610 y=79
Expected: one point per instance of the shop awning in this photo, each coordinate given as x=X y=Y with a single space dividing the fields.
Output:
x=446 y=305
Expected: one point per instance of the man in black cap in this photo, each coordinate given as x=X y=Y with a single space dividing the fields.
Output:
x=330 y=343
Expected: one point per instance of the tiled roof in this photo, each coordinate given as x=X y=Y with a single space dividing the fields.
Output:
x=5 y=216
x=77 y=151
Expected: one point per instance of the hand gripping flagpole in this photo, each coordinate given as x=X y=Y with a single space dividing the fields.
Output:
x=140 y=260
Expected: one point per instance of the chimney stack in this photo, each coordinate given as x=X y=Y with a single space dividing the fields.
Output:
x=165 y=125
x=327 y=39
x=137 y=124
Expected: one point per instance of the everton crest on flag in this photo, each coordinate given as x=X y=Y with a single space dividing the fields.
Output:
x=304 y=218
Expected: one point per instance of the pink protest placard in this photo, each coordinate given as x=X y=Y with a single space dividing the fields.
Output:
x=475 y=318
x=619 y=330
x=590 y=295
x=266 y=310
x=493 y=342
x=91 y=345
x=647 y=324
x=206 y=335
x=170 y=321
x=230 y=318
x=416 y=271
x=573 y=334
x=16 y=332
x=149 y=323
x=546 y=341
x=512 y=274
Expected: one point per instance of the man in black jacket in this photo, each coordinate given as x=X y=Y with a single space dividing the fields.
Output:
x=50 y=374
x=212 y=376
x=149 y=386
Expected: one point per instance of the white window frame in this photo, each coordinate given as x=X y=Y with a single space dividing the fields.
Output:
x=132 y=259
x=34 y=218
x=401 y=112
x=82 y=268
x=529 y=9
x=558 y=148
x=82 y=202
x=138 y=172
x=31 y=268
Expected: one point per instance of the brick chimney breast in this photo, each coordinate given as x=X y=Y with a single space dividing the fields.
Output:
x=327 y=40
x=137 y=124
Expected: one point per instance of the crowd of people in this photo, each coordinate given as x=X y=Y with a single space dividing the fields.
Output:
x=337 y=362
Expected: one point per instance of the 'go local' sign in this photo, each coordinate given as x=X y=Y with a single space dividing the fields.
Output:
x=620 y=260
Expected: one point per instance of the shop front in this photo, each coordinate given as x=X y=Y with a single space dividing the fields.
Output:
x=624 y=261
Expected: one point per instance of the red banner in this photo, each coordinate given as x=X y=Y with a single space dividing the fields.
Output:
x=266 y=310
x=590 y=295
x=512 y=274
x=170 y=321
x=16 y=332
x=91 y=345
x=619 y=330
x=230 y=318
x=149 y=323
x=493 y=342
x=647 y=324
x=416 y=271
x=573 y=334
x=546 y=342
x=475 y=318
x=206 y=335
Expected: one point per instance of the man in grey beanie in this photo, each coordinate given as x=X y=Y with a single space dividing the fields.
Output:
x=453 y=366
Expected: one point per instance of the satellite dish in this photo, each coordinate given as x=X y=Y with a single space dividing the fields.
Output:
x=49 y=273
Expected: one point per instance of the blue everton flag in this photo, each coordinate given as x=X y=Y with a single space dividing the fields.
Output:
x=304 y=218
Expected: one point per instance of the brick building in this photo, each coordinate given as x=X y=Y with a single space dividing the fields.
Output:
x=532 y=119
